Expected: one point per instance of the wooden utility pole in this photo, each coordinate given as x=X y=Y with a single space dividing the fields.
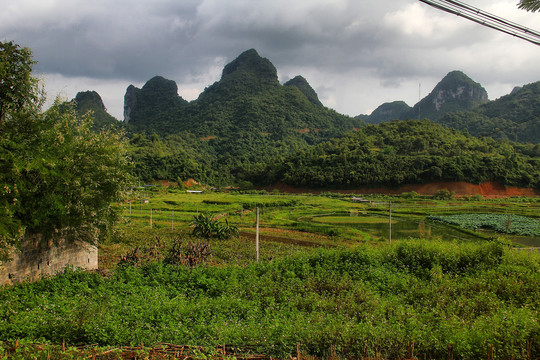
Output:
x=390 y=221
x=257 y=235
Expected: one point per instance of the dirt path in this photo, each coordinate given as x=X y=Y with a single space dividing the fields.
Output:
x=284 y=240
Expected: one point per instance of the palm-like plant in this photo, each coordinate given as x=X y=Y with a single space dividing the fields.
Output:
x=529 y=5
x=206 y=227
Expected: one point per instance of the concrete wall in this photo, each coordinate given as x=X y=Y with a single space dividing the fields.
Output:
x=38 y=258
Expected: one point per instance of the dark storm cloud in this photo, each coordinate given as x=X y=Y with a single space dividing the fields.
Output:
x=356 y=53
x=112 y=39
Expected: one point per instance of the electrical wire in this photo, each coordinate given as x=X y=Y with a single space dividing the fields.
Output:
x=486 y=19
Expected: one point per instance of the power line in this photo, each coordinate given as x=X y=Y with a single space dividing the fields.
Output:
x=486 y=19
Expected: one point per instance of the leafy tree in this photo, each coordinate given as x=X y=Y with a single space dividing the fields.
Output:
x=17 y=87
x=529 y=5
x=57 y=177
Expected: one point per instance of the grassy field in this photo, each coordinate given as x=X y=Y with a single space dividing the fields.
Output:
x=155 y=216
x=329 y=278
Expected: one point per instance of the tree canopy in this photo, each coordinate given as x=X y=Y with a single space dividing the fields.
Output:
x=529 y=5
x=57 y=177
x=409 y=152
x=17 y=87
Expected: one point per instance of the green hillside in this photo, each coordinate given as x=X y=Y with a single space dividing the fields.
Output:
x=515 y=117
x=243 y=120
x=410 y=152
x=250 y=130
x=388 y=112
x=460 y=103
x=455 y=92
x=91 y=101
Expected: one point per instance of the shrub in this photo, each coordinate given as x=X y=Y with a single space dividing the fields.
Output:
x=207 y=227
x=188 y=254
x=443 y=194
x=410 y=195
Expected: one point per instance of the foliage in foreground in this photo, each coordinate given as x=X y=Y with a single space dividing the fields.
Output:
x=362 y=302
x=57 y=177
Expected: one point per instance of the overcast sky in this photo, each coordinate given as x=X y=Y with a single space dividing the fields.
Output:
x=356 y=54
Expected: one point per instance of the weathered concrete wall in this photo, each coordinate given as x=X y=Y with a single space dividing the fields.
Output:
x=37 y=258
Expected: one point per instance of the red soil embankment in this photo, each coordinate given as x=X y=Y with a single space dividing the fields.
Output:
x=459 y=188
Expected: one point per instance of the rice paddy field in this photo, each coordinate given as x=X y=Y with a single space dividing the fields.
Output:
x=290 y=222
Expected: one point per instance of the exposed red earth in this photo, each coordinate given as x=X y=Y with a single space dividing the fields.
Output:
x=459 y=188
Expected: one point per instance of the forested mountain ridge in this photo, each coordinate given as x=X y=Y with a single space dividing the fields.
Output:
x=394 y=110
x=455 y=92
x=460 y=103
x=409 y=152
x=301 y=84
x=90 y=101
x=242 y=121
x=247 y=97
x=248 y=129
x=154 y=104
x=514 y=117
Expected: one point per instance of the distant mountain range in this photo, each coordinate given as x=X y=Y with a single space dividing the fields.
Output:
x=459 y=102
x=247 y=128
x=455 y=92
x=249 y=94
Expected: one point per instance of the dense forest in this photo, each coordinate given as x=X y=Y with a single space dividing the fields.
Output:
x=410 y=152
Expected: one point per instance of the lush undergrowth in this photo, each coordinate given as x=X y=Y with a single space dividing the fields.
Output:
x=356 y=303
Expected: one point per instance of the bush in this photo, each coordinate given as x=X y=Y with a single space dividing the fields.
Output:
x=410 y=195
x=443 y=194
x=207 y=227
x=188 y=254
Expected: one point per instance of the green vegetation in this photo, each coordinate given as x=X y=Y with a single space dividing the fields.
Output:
x=506 y=224
x=408 y=152
x=249 y=130
x=57 y=177
x=356 y=298
x=235 y=129
x=18 y=88
x=339 y=277
x=512 y=117
x=90 y=101
x=529 y=5
x=455 y=92
x=301 y=83
x=366 y=302
x=206 y=227
x=460 y=103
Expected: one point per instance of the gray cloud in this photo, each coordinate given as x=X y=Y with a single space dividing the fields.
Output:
x=356 y=54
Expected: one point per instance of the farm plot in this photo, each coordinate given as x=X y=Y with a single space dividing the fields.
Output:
x=506 y=224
